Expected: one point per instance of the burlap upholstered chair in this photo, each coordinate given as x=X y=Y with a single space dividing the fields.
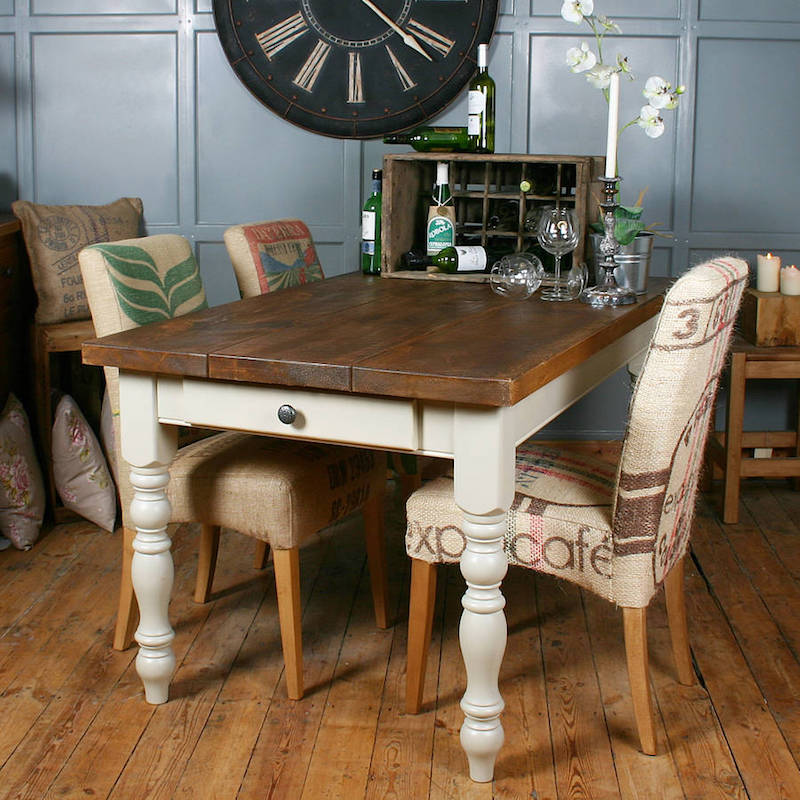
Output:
x=277 y=491
x=617 y=530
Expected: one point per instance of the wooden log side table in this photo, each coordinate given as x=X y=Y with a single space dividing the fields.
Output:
x=725 y=449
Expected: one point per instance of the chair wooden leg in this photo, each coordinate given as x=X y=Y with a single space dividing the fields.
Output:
x=373 y=512
x=409 y=484
x=635 y=626
x=734 y=422
x=262 y=555
x=206 y=562
x=420 y=625
x=678 y=629
x=287 y=583
x=707 y=470
x=128 y=611
x=796 y=481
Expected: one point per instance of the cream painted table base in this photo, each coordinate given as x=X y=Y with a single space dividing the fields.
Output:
x=481 y=441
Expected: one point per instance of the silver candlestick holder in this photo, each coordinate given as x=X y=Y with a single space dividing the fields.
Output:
x=608 y=292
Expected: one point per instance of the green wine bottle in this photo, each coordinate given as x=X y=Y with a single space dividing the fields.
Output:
x=480 y=101
x=371 y=228
x=441 y=228
x=431 y=139
x=461 y=258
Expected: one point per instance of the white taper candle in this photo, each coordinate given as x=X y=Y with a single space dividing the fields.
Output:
x=613 y=125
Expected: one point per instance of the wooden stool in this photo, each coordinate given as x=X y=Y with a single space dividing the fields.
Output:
x=725 y=450
x=62 y=337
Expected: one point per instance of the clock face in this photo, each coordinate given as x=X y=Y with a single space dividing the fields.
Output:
x=354 y=68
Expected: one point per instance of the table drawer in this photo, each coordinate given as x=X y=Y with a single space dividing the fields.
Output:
x=323 y=416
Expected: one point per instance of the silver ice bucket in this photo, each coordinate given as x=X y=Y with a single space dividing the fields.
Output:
x=633 y=261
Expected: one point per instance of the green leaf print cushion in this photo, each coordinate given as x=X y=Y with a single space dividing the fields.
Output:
x=146 y=293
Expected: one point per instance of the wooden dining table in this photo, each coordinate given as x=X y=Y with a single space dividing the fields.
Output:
x=427 y=367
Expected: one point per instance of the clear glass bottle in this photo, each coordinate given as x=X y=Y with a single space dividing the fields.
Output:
x=371 y=228
x=480 y=123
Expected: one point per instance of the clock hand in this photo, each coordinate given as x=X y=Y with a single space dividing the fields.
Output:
x=406 y=37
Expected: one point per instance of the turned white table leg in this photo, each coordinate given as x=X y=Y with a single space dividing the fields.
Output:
x=148 y=447
x=482 y=634
x=484 y=489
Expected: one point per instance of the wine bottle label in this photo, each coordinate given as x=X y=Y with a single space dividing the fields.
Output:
x=476 y=102
x=368 y=247
x=441 y=231
x=368 y=225
x=471 y=258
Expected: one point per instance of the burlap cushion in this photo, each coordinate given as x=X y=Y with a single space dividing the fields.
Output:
x=278 y=491
x=80 y=471
x=22 y=495
x=561 y=518
x=272 y=255
x=54 y=235
x=559 y=522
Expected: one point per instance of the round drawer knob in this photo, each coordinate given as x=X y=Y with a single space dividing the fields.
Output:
x=286 y=414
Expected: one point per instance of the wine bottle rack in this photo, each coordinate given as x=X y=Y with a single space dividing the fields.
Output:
x=491 y=207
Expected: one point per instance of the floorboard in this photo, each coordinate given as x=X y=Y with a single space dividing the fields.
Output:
x=73 y=721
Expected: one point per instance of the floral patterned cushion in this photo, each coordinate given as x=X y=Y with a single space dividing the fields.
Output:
x=22 y=495
x=80 y=470
x=268 y=256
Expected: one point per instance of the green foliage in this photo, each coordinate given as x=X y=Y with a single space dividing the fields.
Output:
x=627 y=224
x=142 y=293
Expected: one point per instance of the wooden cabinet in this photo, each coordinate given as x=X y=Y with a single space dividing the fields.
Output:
x=492 y=207
x=15 y=309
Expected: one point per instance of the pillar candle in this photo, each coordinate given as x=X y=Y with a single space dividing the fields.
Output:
x=613 y=126
x=767 y=272
x=790 y=280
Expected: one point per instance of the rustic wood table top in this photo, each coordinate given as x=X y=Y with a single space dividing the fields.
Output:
x=430 y=340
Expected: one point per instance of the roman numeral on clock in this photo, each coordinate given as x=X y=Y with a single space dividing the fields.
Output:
x=406 y=80
x=355 y=88
x=440 y=43
x=309 y=72
x=274 y=39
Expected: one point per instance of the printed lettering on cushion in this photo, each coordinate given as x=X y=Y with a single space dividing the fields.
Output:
x=54 y=235
x=283 y=253
x=559 y=522
x=148 y=291
x=669 y=422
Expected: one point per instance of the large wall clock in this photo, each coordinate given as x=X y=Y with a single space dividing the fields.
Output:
x=354 y=68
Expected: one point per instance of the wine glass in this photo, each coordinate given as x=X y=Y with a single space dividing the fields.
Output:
x=517 y=275
x=558 y=233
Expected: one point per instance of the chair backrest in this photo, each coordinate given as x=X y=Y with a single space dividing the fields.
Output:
x=267 y=256
x=670 y=412
x=130 y=283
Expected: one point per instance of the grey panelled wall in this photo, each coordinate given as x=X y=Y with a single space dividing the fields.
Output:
x=103 y=98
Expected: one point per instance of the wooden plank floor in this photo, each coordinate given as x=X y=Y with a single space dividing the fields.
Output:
x=73 y=721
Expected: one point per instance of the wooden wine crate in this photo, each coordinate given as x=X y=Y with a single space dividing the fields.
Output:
x=770 y=319
x=491 y=208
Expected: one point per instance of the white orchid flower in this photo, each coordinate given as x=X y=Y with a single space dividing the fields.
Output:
x=659 y=93
x=576 y=10
x=608 y=24
x=624 y=65
x=580 y=59
x=650 y=119
x=600 y=76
